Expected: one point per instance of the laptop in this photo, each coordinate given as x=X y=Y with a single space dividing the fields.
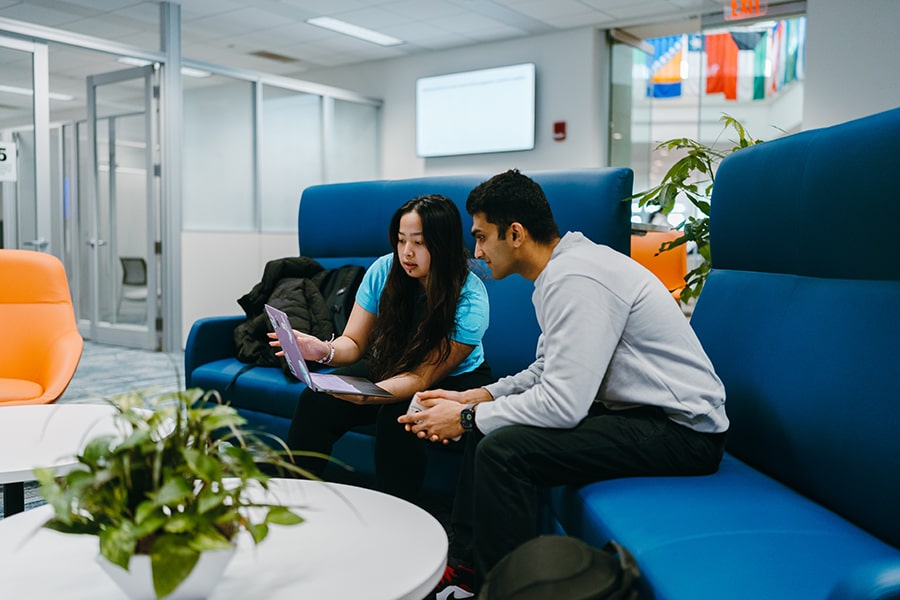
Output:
x=318 y=382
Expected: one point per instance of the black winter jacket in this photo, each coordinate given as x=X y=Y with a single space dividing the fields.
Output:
x=291 y=284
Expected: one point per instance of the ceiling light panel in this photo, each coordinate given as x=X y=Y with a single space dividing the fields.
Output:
x=355 y=31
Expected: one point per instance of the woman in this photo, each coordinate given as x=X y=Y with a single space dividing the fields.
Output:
x=417 y=324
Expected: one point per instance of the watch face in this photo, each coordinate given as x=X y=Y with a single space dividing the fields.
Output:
x=467 y=418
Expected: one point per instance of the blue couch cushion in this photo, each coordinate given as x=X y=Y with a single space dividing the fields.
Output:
x=808 y=407
x=586 y=200
x=814 y=203
x=734 y=534
x=258 y=388
x=801 y=315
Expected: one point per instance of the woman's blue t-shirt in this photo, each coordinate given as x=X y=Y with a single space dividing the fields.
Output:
x=472 y=309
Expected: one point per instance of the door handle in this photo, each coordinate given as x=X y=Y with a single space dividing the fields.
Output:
x=39 y=244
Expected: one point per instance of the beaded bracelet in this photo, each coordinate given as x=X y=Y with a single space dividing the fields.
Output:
x=325 y=360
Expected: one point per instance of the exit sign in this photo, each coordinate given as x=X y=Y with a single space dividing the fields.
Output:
x=745 y=9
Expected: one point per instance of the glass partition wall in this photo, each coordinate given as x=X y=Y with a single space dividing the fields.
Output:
x=251 y=146
x=21 y=225
x=681 y=85
x=89 y=180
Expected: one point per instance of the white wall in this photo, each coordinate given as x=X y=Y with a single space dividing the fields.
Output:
x=570 y=72
x=219 y=268
x=852 y=50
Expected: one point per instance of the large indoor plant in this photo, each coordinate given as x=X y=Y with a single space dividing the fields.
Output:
x=693 y=177
x=174 y=482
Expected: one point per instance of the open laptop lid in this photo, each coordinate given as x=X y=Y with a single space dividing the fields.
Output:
x=319 y=382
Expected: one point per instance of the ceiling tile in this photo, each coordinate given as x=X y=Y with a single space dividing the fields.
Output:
x=469 y=23
x=542 y=10
x=39 y=15
x=594 y=19
x=143 y=12
x=328 y=8
x=110 y=27
x=422 y=10
x=195 y=9
x=99 y=6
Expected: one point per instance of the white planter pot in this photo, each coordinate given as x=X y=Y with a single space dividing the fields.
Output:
x=137 y=581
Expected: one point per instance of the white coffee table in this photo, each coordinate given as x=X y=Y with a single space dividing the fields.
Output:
x=44 y=435
x=355 y=543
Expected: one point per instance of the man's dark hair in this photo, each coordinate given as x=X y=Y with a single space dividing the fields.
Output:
x=512 y=197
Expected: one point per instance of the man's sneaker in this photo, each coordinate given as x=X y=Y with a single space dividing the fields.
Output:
x=457 y=583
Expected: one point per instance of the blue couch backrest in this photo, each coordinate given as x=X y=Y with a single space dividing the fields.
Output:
x=801 y=314
x=348 y=223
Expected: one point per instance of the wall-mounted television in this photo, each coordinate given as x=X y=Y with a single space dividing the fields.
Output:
x=490 y=110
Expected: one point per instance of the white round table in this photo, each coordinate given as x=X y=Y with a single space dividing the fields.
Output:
x=44 y=435
x=355 y=543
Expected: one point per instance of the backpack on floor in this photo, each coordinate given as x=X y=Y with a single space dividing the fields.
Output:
x=339 y=290
x=553 y=567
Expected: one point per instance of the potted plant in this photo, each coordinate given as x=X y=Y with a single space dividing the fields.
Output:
x=173 y=483
x=693 y=176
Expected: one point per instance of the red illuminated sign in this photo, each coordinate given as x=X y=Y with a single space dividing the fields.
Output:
x=744 y=9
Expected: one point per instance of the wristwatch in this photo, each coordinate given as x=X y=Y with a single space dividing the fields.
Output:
x=467 y=418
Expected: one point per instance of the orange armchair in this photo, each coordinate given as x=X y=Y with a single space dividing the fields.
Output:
x=40 y=346
x=669 y=266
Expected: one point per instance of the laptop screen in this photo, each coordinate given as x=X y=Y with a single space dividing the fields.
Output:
x=282 y=326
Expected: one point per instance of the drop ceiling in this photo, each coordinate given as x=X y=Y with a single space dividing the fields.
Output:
x=273 y=36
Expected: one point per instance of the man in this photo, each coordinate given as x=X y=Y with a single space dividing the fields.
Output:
x=620 y=385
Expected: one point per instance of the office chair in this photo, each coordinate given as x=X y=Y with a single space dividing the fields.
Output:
x=40 y=346
x=134 y=280
x=669 y=266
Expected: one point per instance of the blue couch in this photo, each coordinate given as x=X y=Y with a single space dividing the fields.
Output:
x=347 y=224
x=801 y=317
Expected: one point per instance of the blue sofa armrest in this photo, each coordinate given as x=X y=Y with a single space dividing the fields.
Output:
x=210 y=339
x=875 y=581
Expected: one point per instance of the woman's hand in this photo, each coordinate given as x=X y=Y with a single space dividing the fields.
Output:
x=311 y=347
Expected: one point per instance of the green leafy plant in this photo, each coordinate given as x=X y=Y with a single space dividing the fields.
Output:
x=693 y=177
x=173 y=482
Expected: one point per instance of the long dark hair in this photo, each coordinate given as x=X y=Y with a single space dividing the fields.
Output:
x=408 y=327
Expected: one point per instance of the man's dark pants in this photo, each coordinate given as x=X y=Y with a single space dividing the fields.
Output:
x=496 y=504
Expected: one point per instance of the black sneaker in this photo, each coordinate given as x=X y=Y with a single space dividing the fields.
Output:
x=457 y=583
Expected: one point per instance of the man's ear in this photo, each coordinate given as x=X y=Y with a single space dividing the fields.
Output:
x=517 y=233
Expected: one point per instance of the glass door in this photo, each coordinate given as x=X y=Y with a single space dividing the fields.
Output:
x=119 y=209
x=24 y=174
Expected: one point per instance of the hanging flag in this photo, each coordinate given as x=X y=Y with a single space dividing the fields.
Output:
x=759 y=68
x=792 y=44
x=777 y=54
x=721 y=65
x=665 y=66
x=746 y=41
x=801 y=49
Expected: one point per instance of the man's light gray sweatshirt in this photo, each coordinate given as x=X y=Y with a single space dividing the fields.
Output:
x=610 y=333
